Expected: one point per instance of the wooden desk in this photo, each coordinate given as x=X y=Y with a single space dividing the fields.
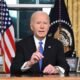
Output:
x=45 y=77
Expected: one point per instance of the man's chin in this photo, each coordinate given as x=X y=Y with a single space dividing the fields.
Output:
x=42 y=37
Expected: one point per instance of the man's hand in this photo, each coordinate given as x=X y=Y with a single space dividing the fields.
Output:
x=36 y=57
x=49 y=69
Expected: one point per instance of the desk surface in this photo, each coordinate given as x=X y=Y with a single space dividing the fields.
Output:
x=45 y=77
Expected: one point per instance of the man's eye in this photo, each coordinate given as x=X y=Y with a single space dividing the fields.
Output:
x=45 y=22
x=38 y=22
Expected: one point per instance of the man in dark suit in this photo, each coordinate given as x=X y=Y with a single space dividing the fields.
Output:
x=29 y=58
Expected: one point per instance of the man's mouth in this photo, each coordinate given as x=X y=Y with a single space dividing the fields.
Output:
x=41 y=31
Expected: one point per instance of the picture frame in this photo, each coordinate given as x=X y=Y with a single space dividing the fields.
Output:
x=78 y=65
x=2 y=68
x=72 y=62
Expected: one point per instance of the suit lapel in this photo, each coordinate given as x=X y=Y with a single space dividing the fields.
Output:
x=32 y=45
x=47 y=47
x=46 y=52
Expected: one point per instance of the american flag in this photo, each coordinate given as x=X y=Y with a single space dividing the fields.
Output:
x=7 y=40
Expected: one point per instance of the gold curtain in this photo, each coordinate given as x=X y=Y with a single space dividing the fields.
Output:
x=73 y=7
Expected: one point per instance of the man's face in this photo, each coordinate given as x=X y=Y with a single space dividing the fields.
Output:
x=40 y=25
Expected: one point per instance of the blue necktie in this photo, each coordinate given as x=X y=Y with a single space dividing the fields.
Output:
x=41 y=51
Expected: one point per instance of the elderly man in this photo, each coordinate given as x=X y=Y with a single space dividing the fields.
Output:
x=39 y=53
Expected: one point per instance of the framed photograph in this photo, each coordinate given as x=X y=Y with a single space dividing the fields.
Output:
x=72 y=63
x=78 y=65
x=2 y=64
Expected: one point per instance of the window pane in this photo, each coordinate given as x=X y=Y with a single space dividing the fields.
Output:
x=27 y=1
x=11 y=1
x=24 y=24
x=13 y=15
x=47 y=1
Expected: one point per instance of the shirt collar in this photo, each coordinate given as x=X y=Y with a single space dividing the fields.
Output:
x=37 y=41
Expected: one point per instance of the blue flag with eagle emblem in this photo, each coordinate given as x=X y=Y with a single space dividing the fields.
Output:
x=60 y=24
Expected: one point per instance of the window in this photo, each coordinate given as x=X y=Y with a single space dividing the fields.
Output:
x=21 y=14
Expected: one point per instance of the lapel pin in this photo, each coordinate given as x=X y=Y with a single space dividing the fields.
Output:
x=49 y=46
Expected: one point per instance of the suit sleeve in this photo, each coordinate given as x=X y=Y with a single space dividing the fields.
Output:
x=18 y=61
x=61 y=60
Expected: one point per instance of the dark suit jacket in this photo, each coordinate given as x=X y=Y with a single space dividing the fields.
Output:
x=53 y=54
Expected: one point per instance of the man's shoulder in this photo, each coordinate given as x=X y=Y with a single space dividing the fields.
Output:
x=54 y=41
x=25 y=40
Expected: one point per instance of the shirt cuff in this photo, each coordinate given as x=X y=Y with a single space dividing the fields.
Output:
x=61 y=70
x=25 y=67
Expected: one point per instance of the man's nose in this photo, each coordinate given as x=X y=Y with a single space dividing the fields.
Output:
x=42 y=25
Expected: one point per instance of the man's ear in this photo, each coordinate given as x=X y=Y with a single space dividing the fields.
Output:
x=49 y=25
x=31 y=27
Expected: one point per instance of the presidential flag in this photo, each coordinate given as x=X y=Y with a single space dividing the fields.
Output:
x=61 y=27
x=7 y=40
